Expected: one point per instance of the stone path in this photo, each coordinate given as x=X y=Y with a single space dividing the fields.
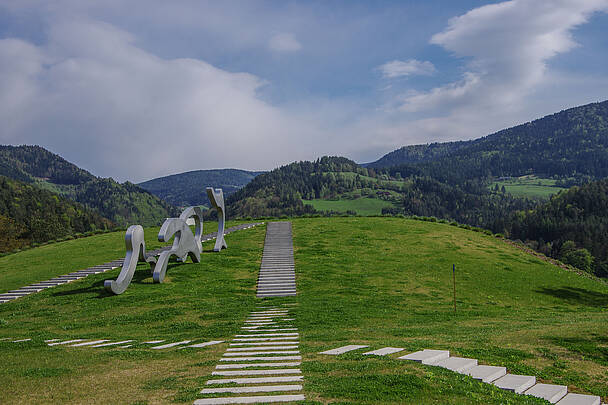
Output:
x=261 y=361
x=520 y=384
x=108 y=343
x=277 y=273
x=102 y=268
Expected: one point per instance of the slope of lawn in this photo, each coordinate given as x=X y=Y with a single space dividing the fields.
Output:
x=362 y=206
x=374 y=281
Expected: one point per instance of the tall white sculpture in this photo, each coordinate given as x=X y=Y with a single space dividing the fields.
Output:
x=184 y=242
x=136 y=252
x=216 y=197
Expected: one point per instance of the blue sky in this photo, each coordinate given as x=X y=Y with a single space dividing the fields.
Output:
x=140 y=89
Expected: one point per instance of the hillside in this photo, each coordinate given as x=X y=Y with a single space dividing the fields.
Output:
x=579 y=215
x=570 y=143
x=185 y=189
x=382 y=282
x=124 y=204
x=31 y=215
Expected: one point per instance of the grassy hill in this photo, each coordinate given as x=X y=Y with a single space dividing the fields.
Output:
x=185 y=189
x=375 y=281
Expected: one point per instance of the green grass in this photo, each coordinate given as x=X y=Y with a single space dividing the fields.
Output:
x=375 y=281
x=529 y=186
x=362 y=206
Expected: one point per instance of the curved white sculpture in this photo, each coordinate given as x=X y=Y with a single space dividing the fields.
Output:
x=136 y=252
x=184 y=242
x=216 y=197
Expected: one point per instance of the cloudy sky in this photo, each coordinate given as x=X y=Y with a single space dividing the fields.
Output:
x=140 y=89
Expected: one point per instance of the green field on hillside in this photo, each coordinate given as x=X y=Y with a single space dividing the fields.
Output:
x=362 y=206
x=372 y=281
x=528 y=186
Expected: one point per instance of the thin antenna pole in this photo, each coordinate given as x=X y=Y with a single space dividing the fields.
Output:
x=454 y=280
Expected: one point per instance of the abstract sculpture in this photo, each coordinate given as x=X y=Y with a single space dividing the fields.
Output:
x=184 y=242
x=217 y=200
x=136 y=252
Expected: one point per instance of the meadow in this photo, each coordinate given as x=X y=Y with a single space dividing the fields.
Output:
x=528 y=186
x=362 y=206
x=372 y=281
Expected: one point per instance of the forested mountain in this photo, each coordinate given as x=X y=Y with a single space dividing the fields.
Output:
x=123 y=204
x=29 y=214
x=571 y=143
x=578 y=215
x=188 y=188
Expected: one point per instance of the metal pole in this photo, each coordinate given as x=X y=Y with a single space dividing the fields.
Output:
x=454 y=280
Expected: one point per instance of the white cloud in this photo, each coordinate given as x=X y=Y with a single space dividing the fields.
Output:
x=508 y=46
x=90 y=94
x=284 y=42
x=409 y=67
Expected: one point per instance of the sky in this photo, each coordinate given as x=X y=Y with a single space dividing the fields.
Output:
x=144 y=88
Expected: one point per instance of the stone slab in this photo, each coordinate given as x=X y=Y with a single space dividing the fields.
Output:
x=260 y=388
x=255 y=380
x=122 y=342
x=151 y=342
x=22 y=340
x=228 y=354
x=268 y=334
x=343 y=349
x=384 y=351
x=486 y=374
x=579 y=399
x=244 y=349
x=427 y=356
x=260 y=358
x=457 y=364
x=250 y=400
x=258 y=372
x=205 y=344
x=94 y=342
x=264 y=343
x=249 y=365
x=66 y=342
x=169 y=345
x=516 y=383
x=549 y=392
x=261 y=339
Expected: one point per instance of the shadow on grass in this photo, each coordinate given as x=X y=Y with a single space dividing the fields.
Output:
x=98 y=286
x=580 y=296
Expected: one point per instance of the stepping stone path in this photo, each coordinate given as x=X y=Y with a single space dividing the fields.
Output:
x=261 y=361
x=77 y=275
x=277 y=276
x=520 y=384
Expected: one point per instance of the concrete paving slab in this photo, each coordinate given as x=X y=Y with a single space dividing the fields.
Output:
x=151 y=342
x=259 y=388
x=22 y=340
x=264 y=343
x=205 y=344
x=259 y=372
x=260 y=358
x=457 y=364
x=244 y=349
x=250 y=400
x=228 y=354
x=169 y=345
x=268 y=334
x=94 y=342
x=122 y=342
x=66 y=342
x=343 y=349
x=516 y=383
x=427 y=356
x=261 y=339
x=255 y=380
x=486 y=374
x=549 y=392
x=579 y=399
x=384 y=351
x=249 y=365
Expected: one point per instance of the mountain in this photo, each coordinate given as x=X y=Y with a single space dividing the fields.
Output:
x=29 y=214
x=188 y=188
x=569 y=144
x=123 y=204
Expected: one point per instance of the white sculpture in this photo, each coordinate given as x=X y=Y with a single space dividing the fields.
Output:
x=216 y=197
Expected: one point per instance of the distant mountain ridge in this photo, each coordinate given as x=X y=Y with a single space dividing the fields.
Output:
x=570 y=143
x=123 y=204
x=188 y=188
